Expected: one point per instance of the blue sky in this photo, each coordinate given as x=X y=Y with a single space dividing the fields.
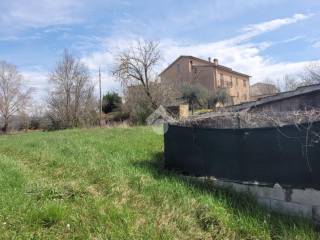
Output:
x=263 y=38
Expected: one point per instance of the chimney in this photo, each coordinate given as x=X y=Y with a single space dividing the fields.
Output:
x=215 y=62
x=209 y=59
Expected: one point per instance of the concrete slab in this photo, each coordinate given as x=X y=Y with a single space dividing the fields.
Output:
x=276 y=193
x=293 y=209
x=308 y=196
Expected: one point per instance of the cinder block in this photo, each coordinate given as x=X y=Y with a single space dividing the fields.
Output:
x=276 y=193
x=308 y=197
x=293 y=209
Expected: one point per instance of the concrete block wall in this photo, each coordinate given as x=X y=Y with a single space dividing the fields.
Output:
x=295 y=202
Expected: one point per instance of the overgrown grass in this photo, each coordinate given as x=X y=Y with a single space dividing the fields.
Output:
x=110 y=184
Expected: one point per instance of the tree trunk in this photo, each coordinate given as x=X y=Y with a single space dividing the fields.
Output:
x=5 y=127
x=153 y=103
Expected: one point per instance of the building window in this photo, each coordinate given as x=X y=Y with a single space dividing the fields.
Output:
x=244 y=83
x=245 y=97
x=237 y=82
x=178 y=68
x=221 y=80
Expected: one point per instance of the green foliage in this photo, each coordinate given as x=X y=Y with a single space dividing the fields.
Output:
x=209 y=99
x=111 y=184
x=193 y=94
x=198 y=96
x=111 y=102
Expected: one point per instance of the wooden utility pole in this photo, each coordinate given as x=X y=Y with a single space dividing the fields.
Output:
x=100 y=99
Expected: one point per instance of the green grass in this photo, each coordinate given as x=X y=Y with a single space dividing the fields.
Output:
x=110 y=184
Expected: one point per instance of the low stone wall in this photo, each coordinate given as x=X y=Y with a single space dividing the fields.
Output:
x=294 y=202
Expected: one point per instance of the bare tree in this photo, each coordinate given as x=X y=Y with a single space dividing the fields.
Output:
x=312 y=73
x=135 y=66
x=14 y=95
x=71 y=101
x=292 y=82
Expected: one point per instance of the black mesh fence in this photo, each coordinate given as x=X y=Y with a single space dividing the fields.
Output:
x=288 y=155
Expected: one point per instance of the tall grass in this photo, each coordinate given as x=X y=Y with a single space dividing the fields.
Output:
x=111 y=184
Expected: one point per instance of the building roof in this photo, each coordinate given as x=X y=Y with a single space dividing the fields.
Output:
x=277 y=97
x=206 y=63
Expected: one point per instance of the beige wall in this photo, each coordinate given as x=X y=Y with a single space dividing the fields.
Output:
x=203 y=75
x=208 y=76
x=178 y=72
x=238 y=85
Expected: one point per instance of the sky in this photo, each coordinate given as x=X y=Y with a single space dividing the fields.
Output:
x=265 y=39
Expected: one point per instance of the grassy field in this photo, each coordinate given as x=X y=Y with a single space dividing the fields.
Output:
x=110 y=184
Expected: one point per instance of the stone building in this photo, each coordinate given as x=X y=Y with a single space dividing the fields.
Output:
x=210 y=74
x=260 y=90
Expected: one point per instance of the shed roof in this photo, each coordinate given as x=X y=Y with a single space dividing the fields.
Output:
x=277 y=97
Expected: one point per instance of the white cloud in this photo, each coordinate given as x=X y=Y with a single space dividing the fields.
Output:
x=276 y=23
x=236 y=52
x=258 y=29
x=105 y=60
x=245 y=57
x=316 y=44
x=20 y=14
x=37 y=78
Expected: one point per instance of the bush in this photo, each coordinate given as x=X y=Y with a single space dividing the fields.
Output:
x=117 y=117
x=111 y=102
x=35 y=123
x=141 y=111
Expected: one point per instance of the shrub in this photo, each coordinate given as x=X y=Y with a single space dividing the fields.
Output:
x=34 y=123
x=117 y=117
x=140 y=111
x=111 y=102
